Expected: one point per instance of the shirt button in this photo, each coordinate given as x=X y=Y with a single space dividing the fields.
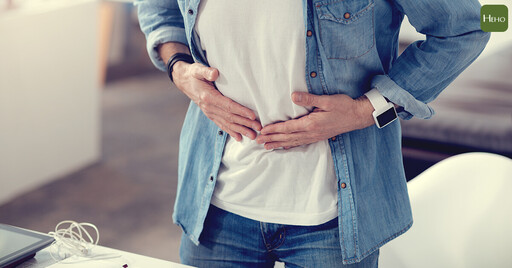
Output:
x=191 y=12
x=221 y=132
x=313 y=74
x=309 y=33
x=346 y=15
x=333 y=138
x=211 y=178
x=343 y=185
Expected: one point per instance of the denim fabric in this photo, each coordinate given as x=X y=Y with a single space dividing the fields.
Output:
x=354 y=47
x=229 y=240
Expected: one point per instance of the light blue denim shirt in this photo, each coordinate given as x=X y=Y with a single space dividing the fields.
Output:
x=354 y=47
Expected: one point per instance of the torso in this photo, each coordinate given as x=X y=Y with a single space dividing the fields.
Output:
x=259 y=50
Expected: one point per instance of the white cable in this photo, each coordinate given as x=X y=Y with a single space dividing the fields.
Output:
x=73 y=240
x=73 y=243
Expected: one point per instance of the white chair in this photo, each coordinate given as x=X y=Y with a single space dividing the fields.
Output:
x=462 y=210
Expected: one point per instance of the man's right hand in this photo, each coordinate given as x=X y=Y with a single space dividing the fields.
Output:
x=196 y=81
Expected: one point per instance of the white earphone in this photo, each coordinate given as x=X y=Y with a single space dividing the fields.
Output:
x=73 y=240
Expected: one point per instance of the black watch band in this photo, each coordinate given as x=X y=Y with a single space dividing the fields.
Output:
x=175 y=58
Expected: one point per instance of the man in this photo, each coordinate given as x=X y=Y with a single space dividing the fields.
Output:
x=290 y=150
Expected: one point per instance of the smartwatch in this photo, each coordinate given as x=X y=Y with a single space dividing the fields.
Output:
x=384 y=112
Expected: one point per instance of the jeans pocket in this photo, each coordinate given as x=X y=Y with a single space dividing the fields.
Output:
x=346 y=27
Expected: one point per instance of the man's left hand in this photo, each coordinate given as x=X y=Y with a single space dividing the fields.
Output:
x=332 y=115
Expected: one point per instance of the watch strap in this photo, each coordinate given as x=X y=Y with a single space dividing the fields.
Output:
x=174 y=59
x=378 y=101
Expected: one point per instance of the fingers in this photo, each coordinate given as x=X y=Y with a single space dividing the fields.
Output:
x=285 y=141
x=202 y=72
x=232 y=123
x=238 y=124
x=231 y=117
x=235 y=125
x=235 y=130
x=249 y=133
x=231 y=106
x=214 y=103
x=209 y=95
x=290 y=126
x=305 y=130
x=306 y=99
x=236 y=119
x=262 y=139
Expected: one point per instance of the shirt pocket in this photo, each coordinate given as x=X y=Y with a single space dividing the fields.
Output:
x=346 y=27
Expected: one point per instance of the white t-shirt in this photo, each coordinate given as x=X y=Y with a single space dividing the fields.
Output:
x=259 y=50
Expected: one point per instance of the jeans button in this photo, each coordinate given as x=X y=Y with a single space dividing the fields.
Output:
x=343 y=185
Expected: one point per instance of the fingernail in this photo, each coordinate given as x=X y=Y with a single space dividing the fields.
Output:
x=298 y=97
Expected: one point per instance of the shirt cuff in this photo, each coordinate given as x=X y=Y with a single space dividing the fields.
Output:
x=163 y=35
x=397 y=95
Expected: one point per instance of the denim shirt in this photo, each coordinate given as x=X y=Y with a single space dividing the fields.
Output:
x=353 y=48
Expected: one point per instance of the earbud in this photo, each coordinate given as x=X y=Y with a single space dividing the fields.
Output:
x=74 y=240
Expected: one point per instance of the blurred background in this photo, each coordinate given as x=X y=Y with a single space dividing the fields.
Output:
x=89 y=128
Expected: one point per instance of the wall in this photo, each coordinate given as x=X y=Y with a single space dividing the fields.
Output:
x=49 y=93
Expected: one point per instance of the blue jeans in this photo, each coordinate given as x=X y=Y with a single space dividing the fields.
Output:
x=229 y=240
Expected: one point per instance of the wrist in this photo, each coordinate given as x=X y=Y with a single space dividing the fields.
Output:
x=384 y=111
x=176 y=59
x=178 y=70
x=364 y=110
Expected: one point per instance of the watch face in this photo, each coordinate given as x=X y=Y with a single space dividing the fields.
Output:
x=386 y=117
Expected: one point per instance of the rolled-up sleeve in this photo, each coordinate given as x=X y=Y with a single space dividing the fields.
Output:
x=453 y=41
x=161 y=21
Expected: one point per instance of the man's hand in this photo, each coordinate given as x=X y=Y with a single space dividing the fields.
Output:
x=332 y=115
x=196 y=81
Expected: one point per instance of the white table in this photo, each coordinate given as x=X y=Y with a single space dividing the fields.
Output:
x=44 y=259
